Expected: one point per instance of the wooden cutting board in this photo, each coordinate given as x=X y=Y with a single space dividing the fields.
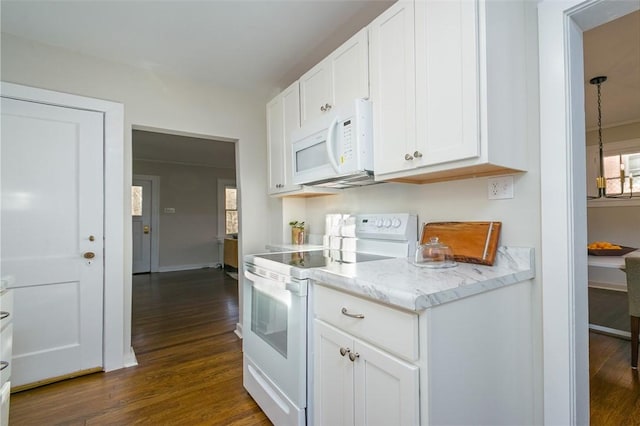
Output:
x=471 y=242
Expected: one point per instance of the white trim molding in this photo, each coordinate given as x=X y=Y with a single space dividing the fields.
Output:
x=115 y=348
x=563 y=202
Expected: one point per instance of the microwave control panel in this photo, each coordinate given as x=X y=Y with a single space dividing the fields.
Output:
x=346 y=138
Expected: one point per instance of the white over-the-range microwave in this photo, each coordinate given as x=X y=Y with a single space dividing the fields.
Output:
x=336 y=149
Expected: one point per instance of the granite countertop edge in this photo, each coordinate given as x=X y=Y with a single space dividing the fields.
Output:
x=399 y=283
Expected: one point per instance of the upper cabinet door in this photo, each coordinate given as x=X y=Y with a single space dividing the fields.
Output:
x=315 y=92
x=350 y=70
x=291 y=115
x=393 y=94
x=283 y=116
x=275 y=145
x=339 y=79
x=447 y=66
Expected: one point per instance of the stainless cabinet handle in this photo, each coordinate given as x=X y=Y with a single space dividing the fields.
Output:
x=345 y=312
x=3 y=365
x=417 y=154
x=4 y=314
x=408 y=157
x=344 y=351
x=353 y=356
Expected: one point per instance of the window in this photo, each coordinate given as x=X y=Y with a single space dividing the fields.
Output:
x=621 y=162
x=136 y=201
x=230 y=210
x=619 y=171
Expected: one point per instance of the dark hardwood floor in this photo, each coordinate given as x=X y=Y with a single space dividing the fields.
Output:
x=190 y=367
x=189 y=364
x=614 y=385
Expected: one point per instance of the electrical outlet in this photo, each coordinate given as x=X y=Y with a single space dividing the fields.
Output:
x=500 y=188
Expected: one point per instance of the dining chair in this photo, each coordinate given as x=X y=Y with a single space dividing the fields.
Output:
x=632 y=267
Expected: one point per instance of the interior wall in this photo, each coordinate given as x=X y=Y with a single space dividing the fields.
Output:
x=188 y=238
x=619 y=133
x=161 y=102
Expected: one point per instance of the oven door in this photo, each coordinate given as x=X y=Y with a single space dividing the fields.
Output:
x=275 y=333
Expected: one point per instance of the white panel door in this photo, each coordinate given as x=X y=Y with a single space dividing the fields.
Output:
x=141 y=227
x=52 y=237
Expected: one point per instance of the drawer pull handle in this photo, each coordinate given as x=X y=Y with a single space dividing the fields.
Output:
x=353 y=356
x=3 y=365
x=4 y=314
x=344 y=351
x=345 y=312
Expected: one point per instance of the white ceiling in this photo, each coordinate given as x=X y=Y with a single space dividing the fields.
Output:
x=258 y=46
x=263 y=46
x=613 y=50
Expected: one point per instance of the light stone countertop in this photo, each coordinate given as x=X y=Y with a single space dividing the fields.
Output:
x=400 y=283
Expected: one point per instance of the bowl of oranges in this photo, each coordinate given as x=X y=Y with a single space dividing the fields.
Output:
x=605 y=248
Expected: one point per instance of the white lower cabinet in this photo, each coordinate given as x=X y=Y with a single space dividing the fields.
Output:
x=356 y=382
x=359 y=384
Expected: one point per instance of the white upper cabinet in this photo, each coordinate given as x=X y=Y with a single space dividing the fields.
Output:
x=339 y=79
x=283 y=116
x=392 y=72
x=467 y=114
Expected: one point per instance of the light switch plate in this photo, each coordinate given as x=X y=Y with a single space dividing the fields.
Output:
x=500 y=188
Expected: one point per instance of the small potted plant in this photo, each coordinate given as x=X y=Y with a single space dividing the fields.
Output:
x=297 y=232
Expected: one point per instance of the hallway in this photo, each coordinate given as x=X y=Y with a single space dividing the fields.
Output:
x=189 y=363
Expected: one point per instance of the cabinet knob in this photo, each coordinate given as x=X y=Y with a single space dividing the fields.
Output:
x=344 y=351
x=322 y=108
x=417 y=154
x=408 y=157
x=353 y=356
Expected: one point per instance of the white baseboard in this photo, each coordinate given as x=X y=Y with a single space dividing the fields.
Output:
x=175 y=268
x=608 y=286
x=610 y=331
x=238 y=330
x=130 y=359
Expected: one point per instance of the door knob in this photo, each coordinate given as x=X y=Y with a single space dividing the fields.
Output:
x=146 y=229
x=89 y=255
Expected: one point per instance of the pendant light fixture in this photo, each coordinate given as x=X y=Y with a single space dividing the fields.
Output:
x=601 y=180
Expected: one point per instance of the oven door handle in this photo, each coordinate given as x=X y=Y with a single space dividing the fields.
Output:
x=295 y=287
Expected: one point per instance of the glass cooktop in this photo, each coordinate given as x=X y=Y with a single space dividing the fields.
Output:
x=319 y=258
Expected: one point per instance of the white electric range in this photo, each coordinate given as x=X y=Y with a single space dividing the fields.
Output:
x=277 y=295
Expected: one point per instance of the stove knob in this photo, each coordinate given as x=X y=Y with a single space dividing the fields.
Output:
x=387 y=223
x=379 y=223
x=396 y=222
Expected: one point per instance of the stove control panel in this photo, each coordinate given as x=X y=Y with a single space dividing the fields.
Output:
x=387 y=226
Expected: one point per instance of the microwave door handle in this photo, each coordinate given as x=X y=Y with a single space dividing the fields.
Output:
x=330 y=138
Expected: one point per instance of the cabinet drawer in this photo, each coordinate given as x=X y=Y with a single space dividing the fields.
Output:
x=6 y=308
x=391 y=329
